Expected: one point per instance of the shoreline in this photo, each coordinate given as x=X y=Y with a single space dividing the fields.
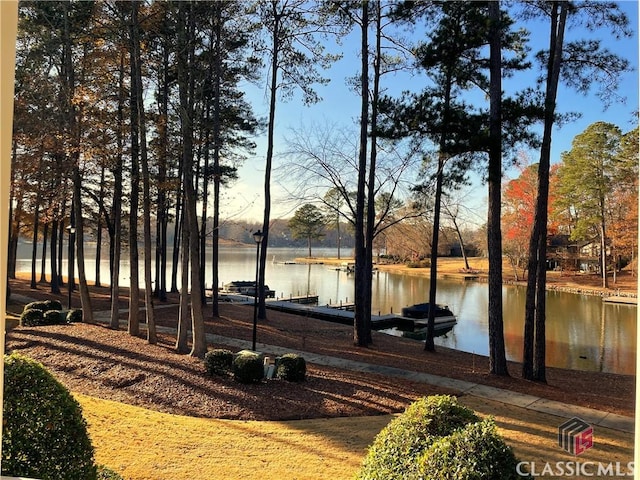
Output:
x=452 y=268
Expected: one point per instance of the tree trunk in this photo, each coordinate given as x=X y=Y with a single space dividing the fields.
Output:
x=61 y=231
x=603 y=253
x=429 y=343
x=99 y=227
x=273 y=90
x=34 y=242
x=117 y=205
x=14 y=215
x=497 y=356
x=85 y=297
x=74 y=136
x=217 y=80
x=177 y=233
x=134 y=283
x=361 y=314
x=371 y=210
x=146 y=188
x=186 y=93
x=533 y=363
x=53 y=257
x=43 y=259
x=182 y=335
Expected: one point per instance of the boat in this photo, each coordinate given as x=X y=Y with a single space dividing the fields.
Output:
x=420 y=311
x=246 y=287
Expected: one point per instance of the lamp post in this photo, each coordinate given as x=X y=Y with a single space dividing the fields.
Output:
x=72 y=238
x=257 y=237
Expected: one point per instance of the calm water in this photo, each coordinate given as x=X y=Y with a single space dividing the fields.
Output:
x=582 y=332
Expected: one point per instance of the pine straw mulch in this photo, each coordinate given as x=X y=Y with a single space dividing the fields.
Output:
x=97 y=361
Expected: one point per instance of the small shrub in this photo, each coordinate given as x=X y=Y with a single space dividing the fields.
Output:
x=419 y=264
x=74 y=315
x=291 y=367
x=44 y=434
x=32 y=318
x=105 y=473
x=475 y=452
x=218 y=361
x=44 y=306
x=248 y=367
x=54 y=305
x=395 y=450
x=54 y=317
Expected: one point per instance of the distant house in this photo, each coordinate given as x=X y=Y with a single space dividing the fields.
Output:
x=566 y=254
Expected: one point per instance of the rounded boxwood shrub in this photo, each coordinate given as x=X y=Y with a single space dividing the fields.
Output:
x=54 y=317
x=396 y=449
x=44 y=306
x=218 y=361
x=74 y=315
x=291 y=367
x=105 y=473
x=248 y=367
x=32 y=318
x=44 y=434
x=475 y=452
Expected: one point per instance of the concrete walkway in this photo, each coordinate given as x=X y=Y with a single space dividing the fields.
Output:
x=529 y=402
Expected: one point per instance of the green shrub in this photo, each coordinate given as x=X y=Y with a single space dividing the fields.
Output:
x=476 y=452
x=54 y=317
x=291 y=367
x=32 y=318
x=74 y=315
x=105 y=473
x=248 y=366
x=44 y=434
x=44 y=306
x=395 y=450
x=218 y=361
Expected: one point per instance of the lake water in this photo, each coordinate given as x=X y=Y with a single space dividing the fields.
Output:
x=583 y=333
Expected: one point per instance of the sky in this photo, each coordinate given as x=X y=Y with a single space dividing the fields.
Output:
x=341 y=106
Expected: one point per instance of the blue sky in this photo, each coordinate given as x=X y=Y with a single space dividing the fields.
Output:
x=341 y=106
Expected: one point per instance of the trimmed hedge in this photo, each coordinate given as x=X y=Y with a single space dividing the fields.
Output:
x=105 y=473
x=248 y=367
x=54 y=317
x=218 y=361
x=74 y=315
x=396 y=449
x=44 y=433
x=32 y=318
x=291 y=367
x=44 y=306
x=48 y=312
x=475 y=452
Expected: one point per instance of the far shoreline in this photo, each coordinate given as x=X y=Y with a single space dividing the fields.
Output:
x=453 y=268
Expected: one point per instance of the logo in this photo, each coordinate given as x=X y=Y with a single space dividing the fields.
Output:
x=575 y=436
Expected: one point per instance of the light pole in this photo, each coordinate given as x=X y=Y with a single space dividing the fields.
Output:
x=257 y=237
x=72 y=238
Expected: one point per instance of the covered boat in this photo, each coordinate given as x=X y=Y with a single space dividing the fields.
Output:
x=420 y=311
x=244 y=287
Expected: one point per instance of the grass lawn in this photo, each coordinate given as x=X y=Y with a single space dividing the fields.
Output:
x=143 y=444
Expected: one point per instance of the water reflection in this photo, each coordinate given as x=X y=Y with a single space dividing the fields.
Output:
x=582 y=332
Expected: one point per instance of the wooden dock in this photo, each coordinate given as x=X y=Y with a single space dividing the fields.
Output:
x=621 y=300
x=301 y=299
x=346 y=317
